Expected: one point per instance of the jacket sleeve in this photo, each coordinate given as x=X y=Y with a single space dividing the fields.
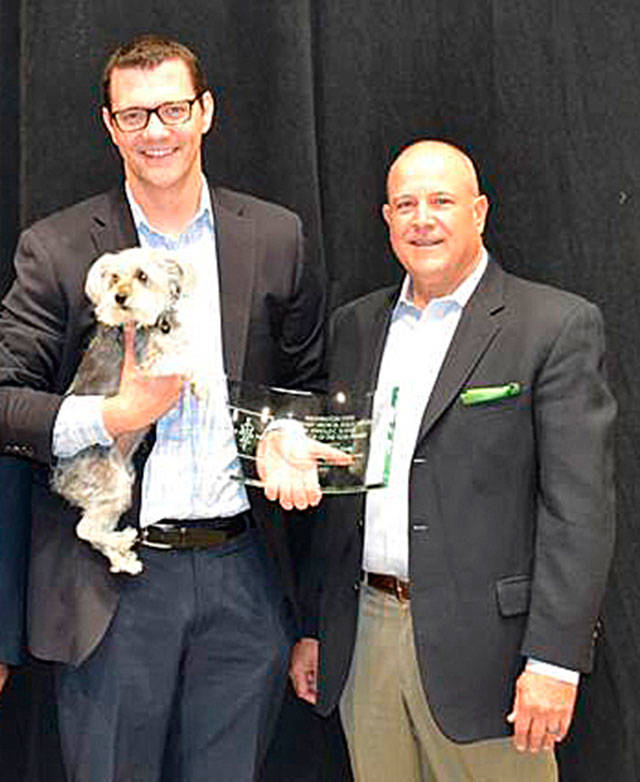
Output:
x=33 y=322
x=574 y=414
x=302 y=327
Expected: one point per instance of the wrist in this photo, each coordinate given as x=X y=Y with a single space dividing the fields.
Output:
x=113 y=416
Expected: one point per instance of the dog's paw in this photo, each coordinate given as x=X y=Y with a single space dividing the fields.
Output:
x=123 y=539
x=127 y=562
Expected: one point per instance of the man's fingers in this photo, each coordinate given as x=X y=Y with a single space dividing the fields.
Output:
x=542 y=711
x=304 y=687
x=537 y=734
x=521 y=727
x=549 y=739
x=306 y=489
x=329 y=454
x=261 y=458
x=4 y=674
x=307 y=694
x=304 y=669
x=287 y=468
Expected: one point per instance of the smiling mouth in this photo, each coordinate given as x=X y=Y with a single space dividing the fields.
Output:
x=425 y=242
x=157 y=154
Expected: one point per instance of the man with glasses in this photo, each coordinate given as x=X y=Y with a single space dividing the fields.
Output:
x=173 y=673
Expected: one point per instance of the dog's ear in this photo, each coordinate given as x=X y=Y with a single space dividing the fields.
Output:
x=181 y=276
x=95 y=284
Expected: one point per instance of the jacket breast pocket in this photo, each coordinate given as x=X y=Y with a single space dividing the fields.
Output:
x=496 y=407
x=514 y=595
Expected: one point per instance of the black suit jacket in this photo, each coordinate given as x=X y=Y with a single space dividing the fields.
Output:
x=272 y=307
x=510 y=502
x=15 y=497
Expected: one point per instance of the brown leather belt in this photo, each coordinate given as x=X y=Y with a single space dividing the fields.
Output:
x=194 y=533
x=385 y=583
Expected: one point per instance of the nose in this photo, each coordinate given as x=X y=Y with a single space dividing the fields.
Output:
x=423 y=214
x=155 y=126
x=121 y=298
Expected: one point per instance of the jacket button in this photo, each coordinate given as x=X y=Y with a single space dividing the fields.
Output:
x=356 y=586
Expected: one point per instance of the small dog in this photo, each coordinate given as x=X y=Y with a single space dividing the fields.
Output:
x=137 y=285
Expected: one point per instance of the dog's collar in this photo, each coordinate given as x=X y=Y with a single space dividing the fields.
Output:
x=165 y=322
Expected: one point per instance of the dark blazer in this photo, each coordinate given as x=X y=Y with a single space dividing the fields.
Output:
x=272 y=306
x=510 y=502
x=15 y=496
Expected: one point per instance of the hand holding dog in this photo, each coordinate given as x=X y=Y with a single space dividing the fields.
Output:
x=141 y=398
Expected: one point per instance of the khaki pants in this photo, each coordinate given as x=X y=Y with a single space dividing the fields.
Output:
x=391 y=734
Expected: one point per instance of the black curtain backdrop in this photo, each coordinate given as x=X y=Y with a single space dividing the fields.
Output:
x=313 y=100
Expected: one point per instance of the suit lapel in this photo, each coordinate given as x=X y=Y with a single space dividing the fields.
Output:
x=375 y=332
x=235 y=241
x=112 y=228
x=478 y=326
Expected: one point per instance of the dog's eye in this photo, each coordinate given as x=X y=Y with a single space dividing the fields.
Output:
x=142 y=276
x=114 y=279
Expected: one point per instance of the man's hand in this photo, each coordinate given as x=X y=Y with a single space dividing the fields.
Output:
x=287 y=464
x=4 y=675
x=303 y=669
x=542 y=711
x=141 y=398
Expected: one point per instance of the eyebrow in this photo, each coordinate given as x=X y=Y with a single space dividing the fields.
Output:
x=400 y=196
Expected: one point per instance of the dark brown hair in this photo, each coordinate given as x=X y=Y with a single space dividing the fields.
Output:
x=149 y=51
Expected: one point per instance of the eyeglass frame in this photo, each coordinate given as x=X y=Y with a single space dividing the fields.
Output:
x=155 y=110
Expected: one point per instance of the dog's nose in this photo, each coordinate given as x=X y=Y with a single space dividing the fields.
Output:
x=121 y=298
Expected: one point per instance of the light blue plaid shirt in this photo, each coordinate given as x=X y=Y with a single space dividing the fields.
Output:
x=188 y=473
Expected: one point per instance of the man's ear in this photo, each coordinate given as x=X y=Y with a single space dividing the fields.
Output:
x=106 y=118
x=208 y=110
x=386 y=213
x=481 y=209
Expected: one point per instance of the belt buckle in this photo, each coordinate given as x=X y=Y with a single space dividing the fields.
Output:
x=152 y=544
x=400 y=589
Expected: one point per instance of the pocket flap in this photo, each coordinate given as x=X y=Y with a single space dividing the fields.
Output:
x=514 y=594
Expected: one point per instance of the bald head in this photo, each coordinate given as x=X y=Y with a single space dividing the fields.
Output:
x=436 y=217
x=434 y=153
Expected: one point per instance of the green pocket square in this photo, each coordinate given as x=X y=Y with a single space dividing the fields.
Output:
x=476 y=396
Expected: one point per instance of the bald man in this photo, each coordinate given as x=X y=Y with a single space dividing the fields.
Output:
x=451 y=613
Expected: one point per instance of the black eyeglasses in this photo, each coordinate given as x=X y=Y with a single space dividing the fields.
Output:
x=174 y=112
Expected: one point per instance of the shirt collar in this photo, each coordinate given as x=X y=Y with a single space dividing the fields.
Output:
x=203 y=214
x=460 y=296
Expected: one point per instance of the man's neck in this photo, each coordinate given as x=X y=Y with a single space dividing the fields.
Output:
x=168 y=211
x=420 y=291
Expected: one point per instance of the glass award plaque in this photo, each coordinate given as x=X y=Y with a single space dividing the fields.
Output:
x=346 y=437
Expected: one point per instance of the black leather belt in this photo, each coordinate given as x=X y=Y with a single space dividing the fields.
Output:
x=389 y=584
x=194 y=533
